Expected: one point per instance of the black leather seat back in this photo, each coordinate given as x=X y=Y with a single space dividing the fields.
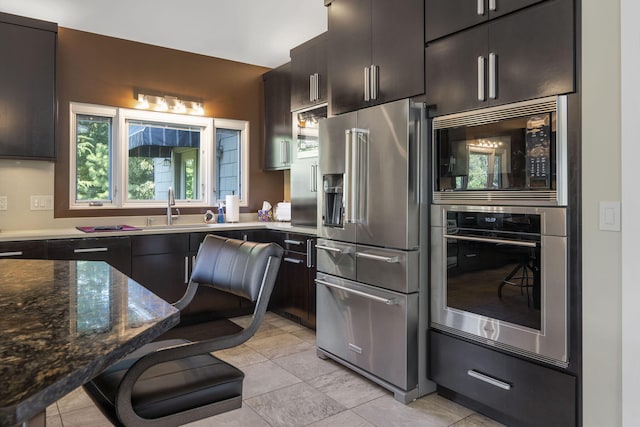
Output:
x=233 y=265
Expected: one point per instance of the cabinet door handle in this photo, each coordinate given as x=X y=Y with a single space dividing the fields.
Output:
x=311 y=87
x=489 y=380
x=492 y=5
x=481 y=95
x=367 y=84
x=316 y=81
x=293 y=260
x=493 y=84
x=16 y=253
x=480 y=9
x=374 y=82
x=89 y=250
x=186 y=269
x=309 y=253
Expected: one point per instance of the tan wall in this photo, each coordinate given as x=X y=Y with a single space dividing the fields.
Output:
x=104 y=70
x=601 y=181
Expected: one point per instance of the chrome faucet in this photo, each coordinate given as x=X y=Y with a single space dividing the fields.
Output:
x=171 y=201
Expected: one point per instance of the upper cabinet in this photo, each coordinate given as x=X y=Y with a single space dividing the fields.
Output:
x=443 y=17
x=375 y=53
x=309 y=73
x=277 y=118
x=525 y=55
x=27 y=88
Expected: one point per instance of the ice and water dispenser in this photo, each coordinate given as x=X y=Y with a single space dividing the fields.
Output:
x=332 y=211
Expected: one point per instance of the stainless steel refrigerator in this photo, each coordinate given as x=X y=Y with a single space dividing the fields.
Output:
x=304 y=169
x=371 y=280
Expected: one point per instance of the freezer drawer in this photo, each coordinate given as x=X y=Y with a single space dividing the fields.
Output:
x=371 y=328
x=336 y=258
x=391 y=269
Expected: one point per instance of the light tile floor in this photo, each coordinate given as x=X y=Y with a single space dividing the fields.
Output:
x=286 y=384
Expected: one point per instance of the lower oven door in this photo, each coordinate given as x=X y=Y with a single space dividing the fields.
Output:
x=510 y=294
x=372 y=328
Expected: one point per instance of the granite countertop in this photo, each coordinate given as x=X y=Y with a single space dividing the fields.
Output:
x=66 y=233
x=62 y=323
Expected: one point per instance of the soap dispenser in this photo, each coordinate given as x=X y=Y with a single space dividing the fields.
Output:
x=220 y=213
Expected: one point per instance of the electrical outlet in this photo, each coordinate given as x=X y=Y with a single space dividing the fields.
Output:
x=41 y=203
x=3 y=203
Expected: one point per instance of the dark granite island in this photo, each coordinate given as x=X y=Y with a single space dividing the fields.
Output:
x=63 y=322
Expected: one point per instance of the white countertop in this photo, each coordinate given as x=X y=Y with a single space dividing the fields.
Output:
x=67 y=233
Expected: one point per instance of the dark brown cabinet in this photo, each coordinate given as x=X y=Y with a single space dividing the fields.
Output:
x=444 y=17
x=114 y=250
x=277 y=118
x=309 y=73
x=31 y=249
x=160 y=262
x=376 y=52
x=294 y=293
x=506 y=60
x=27 y=85
x=507 y=388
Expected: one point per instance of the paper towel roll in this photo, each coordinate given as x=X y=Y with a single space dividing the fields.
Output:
x=233 y=208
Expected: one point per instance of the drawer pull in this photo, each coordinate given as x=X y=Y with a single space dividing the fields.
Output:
x=89 y=250
x=386 y=301
x=342 y=251
x=487 y=379
x=294 y=242
x=293 y=260
x=17 y=253
x=389 y=259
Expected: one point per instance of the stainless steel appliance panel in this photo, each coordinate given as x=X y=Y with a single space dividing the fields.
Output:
x=371 y=328
x=388 y=268
x=304 y=191
x=332 y=162
x=389 y=169
x=337 y=258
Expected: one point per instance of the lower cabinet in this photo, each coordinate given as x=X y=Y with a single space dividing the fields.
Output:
x=31 y=249
x=294 y=294
x=114 y=250
x=160 y=262
x=509 y=389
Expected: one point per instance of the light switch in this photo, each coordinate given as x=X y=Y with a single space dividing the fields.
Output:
x=610 y=216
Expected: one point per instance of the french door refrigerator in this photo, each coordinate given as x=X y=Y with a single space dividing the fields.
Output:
x=371 y=312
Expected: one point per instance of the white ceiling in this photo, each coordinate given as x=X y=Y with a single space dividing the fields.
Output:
x=258 y=32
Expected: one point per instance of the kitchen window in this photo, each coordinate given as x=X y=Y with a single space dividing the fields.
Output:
x=129 y=158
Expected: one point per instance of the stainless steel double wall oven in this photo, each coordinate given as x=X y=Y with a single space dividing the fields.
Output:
x=499 y=227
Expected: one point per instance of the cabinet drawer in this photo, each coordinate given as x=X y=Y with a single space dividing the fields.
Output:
x=526 y=393
x=160 y=244
x=26 y=249
x=114 y=250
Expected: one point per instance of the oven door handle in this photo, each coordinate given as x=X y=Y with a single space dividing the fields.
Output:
x=489 y=240
x=386 y=301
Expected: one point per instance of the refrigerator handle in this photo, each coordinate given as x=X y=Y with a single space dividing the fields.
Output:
x=346 y=185
x=363 y=175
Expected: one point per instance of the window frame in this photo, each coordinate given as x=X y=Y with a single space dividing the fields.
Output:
x=76 y=109
x=119 y=156
x=207 y=142
x=243 y=127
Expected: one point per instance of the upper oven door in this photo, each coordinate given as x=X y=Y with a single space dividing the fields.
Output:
x=513 y=154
